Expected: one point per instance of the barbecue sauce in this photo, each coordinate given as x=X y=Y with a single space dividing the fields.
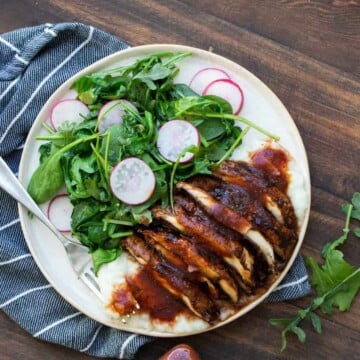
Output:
x=152 y=298
x=274 y=162
x=268 y=169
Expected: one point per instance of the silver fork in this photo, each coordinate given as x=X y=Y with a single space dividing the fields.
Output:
x=77 y=253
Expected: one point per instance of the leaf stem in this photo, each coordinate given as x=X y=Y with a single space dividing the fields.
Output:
x=48 y=128
x=50 y=137
x=233 y=146
x=77 y=142
x=172 y=179
x=107 y=155
x=237 y=118
x=176 y=58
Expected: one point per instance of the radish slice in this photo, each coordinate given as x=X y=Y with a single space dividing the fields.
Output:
x=132 y=181
x=68 y=110
x=112 y=113
x=59 y=212
x=205 y=76
x=174 y=136
x=228 y=90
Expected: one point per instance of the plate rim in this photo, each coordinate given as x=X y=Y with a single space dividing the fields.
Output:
x=146 y=49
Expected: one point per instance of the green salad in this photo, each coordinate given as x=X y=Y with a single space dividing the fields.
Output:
x=120 y=147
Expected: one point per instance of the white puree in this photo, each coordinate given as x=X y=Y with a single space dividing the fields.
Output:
x=114 y=273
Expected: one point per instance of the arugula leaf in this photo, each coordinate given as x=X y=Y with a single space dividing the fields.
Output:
x=328 y=276
x=336 y=283
x=356 y=203
x=157 y=72
x=83 y=86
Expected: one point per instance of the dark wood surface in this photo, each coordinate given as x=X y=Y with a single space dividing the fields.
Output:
x=308 y=53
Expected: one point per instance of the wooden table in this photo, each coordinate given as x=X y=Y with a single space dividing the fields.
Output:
x=308 y=53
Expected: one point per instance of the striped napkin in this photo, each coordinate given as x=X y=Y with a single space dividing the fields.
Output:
x=34 y=61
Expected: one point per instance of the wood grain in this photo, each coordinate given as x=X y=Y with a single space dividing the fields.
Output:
x=308 y=53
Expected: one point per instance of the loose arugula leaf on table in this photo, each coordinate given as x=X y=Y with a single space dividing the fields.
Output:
x=336 y=282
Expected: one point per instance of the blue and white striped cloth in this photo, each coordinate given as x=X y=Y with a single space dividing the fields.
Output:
x=33 y=63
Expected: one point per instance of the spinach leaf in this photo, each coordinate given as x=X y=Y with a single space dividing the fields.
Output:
x=211 y=129
x=84 y=211
x=181 y=90
x=45 y=151
x=47 y=179
x=149 y=76
x=103 y=256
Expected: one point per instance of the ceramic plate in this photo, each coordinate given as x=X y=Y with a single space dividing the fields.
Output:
x=261 y=106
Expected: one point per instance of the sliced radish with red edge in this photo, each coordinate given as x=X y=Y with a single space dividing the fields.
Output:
x=59 y=212
x=205 y=76
x=112 y=113
x=132 y=181
x=174 y=136
x=228 y=90
x=71 y=110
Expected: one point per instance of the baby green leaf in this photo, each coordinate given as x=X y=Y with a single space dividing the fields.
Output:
x=157 y=72
x=356 y=214
x=299 y=332
x=316 y=322
x=280 y=321
x=103 y=256
x=47 y=179
x=356 y=200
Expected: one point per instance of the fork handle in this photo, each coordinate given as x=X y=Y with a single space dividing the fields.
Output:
x=13 y=187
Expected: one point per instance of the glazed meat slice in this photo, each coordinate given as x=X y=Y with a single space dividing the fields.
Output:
x=172 y=280
x=241 y=173
x=168 y=255
x=197 y=259
x=231 y=219
x=204 y=231
x=280 y=206
x=252 y=178
x=246 y=202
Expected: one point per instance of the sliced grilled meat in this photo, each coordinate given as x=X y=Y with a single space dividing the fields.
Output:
x=175 y=260
x=247 y=203
x=231 y=219
x=170 y=279
x=251 y=178
x=205 y=232
x=279 y=203
x=192 y=255
x=241 y=173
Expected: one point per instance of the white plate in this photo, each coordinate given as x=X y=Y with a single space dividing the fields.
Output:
x=261 y=106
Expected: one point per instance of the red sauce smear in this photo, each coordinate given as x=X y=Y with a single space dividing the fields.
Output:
x=152 y=298
x=274 y=162
x=122 y=300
